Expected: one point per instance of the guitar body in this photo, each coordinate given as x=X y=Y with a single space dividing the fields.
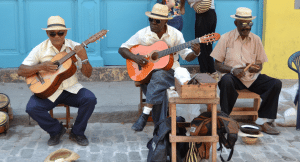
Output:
x=143 y=74
x=51 y=80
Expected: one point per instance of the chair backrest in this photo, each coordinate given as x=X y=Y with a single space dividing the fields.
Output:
x=294 y=58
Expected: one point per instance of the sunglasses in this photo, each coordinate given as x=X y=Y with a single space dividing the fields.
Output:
x=246 y=24
x=157 y=21
x=53 y=34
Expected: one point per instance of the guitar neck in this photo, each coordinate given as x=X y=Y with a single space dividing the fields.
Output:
x=177 y=48
x=70 y=54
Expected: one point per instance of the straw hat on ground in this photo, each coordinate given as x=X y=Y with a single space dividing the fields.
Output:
x=62 y=155
x=243 y=13
x=160 y=12
x=56 y=23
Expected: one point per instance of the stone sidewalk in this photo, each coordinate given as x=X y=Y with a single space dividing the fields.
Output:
x=115 y=142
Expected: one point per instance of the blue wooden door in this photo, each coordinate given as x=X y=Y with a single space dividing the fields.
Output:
x=21 y=22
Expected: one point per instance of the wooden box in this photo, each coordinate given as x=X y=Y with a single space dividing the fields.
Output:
x=207 y=88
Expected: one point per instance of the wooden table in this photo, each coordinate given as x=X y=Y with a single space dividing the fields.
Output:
x=212 y=106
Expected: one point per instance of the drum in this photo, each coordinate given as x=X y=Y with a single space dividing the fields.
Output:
x=4 y=102
x=4 y=122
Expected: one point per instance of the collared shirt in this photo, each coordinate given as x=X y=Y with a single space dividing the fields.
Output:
x=45 y=52
x=235 y=52
x=172 y=37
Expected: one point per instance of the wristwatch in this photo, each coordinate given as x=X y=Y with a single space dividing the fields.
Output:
x=231 y=71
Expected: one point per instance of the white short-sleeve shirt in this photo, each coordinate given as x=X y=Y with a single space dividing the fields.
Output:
x=45 y=51
x=172 y=37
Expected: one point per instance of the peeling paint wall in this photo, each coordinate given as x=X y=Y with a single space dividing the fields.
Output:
x=281 y=37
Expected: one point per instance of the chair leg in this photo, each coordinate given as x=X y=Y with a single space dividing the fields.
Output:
x=67 y=116
x=256 y=105
x=209 y=107
x=51 y=113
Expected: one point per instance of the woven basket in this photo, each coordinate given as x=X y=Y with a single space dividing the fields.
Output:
x=249 y=140
x=202 y=6
x=65 y=154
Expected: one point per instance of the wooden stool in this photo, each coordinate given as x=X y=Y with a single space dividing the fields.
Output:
x=142 y=104
x=67 y=118
x=212 y=106
x=253 y=111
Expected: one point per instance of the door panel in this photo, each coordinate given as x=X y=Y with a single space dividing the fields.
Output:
x=24 y=19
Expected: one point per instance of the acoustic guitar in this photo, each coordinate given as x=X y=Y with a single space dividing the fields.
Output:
x=43 y=84
x=165 y=57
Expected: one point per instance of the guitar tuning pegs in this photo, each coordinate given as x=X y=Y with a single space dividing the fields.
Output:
x=105 y=35
x=102 y=38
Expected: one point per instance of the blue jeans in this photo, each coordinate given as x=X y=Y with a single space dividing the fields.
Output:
x=176 y=22
x=84 y=100
x=155 y=92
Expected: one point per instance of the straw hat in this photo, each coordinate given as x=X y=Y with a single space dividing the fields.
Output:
x=62 y=155
x=242 y=134
x=243 y=13
x=56 y=23
x=160 y=12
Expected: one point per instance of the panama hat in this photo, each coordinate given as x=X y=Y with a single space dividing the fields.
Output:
x=242 y=134
x=160 y=12
x=62 y=155
x=243 y=13
x=56 y=23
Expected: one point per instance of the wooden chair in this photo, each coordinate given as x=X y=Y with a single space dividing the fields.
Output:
x=242 y=111
x=67 y=118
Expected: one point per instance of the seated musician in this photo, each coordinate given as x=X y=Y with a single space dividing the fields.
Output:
x=234 y=51
x=70 y=91
x=155 y=90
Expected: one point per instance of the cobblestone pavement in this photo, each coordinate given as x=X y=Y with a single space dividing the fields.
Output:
x=115 y=142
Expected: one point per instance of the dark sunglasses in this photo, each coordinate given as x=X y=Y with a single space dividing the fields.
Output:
x=157 y=21
x=246 y=24
x=53 y=34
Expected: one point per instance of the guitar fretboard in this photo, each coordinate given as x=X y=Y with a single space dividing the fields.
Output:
x=177 y=48
x=70 y=54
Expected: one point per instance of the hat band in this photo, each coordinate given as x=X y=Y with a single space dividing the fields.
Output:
x=242 y=16
x=56 y=25
x=158 y=15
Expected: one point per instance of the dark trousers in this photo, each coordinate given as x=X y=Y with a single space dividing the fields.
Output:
x=268 y=88
x=205 y=23
x=84 y=100
x=155 y=92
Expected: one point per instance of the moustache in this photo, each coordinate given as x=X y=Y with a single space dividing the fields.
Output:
x=246 y=29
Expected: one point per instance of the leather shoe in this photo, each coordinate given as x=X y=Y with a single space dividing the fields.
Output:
x=80 y=140
x=54 y=140
x=140 y=123
x=269 y=129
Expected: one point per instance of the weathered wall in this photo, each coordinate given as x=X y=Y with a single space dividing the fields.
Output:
x=281 y=37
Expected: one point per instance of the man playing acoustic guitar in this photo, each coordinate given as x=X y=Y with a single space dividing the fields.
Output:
x=155 y=89
x=70 y=92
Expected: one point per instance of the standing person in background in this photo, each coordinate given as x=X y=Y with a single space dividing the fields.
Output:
x=205 y=23
x=176 y=10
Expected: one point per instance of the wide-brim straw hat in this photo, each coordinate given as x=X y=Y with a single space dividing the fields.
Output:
x=243 y=13
x=62 y=154
x=242 y=134
x=56 y=23
x=160 y=12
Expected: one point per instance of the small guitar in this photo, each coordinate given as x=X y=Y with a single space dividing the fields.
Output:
x=165 y=58
x=43 y=84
